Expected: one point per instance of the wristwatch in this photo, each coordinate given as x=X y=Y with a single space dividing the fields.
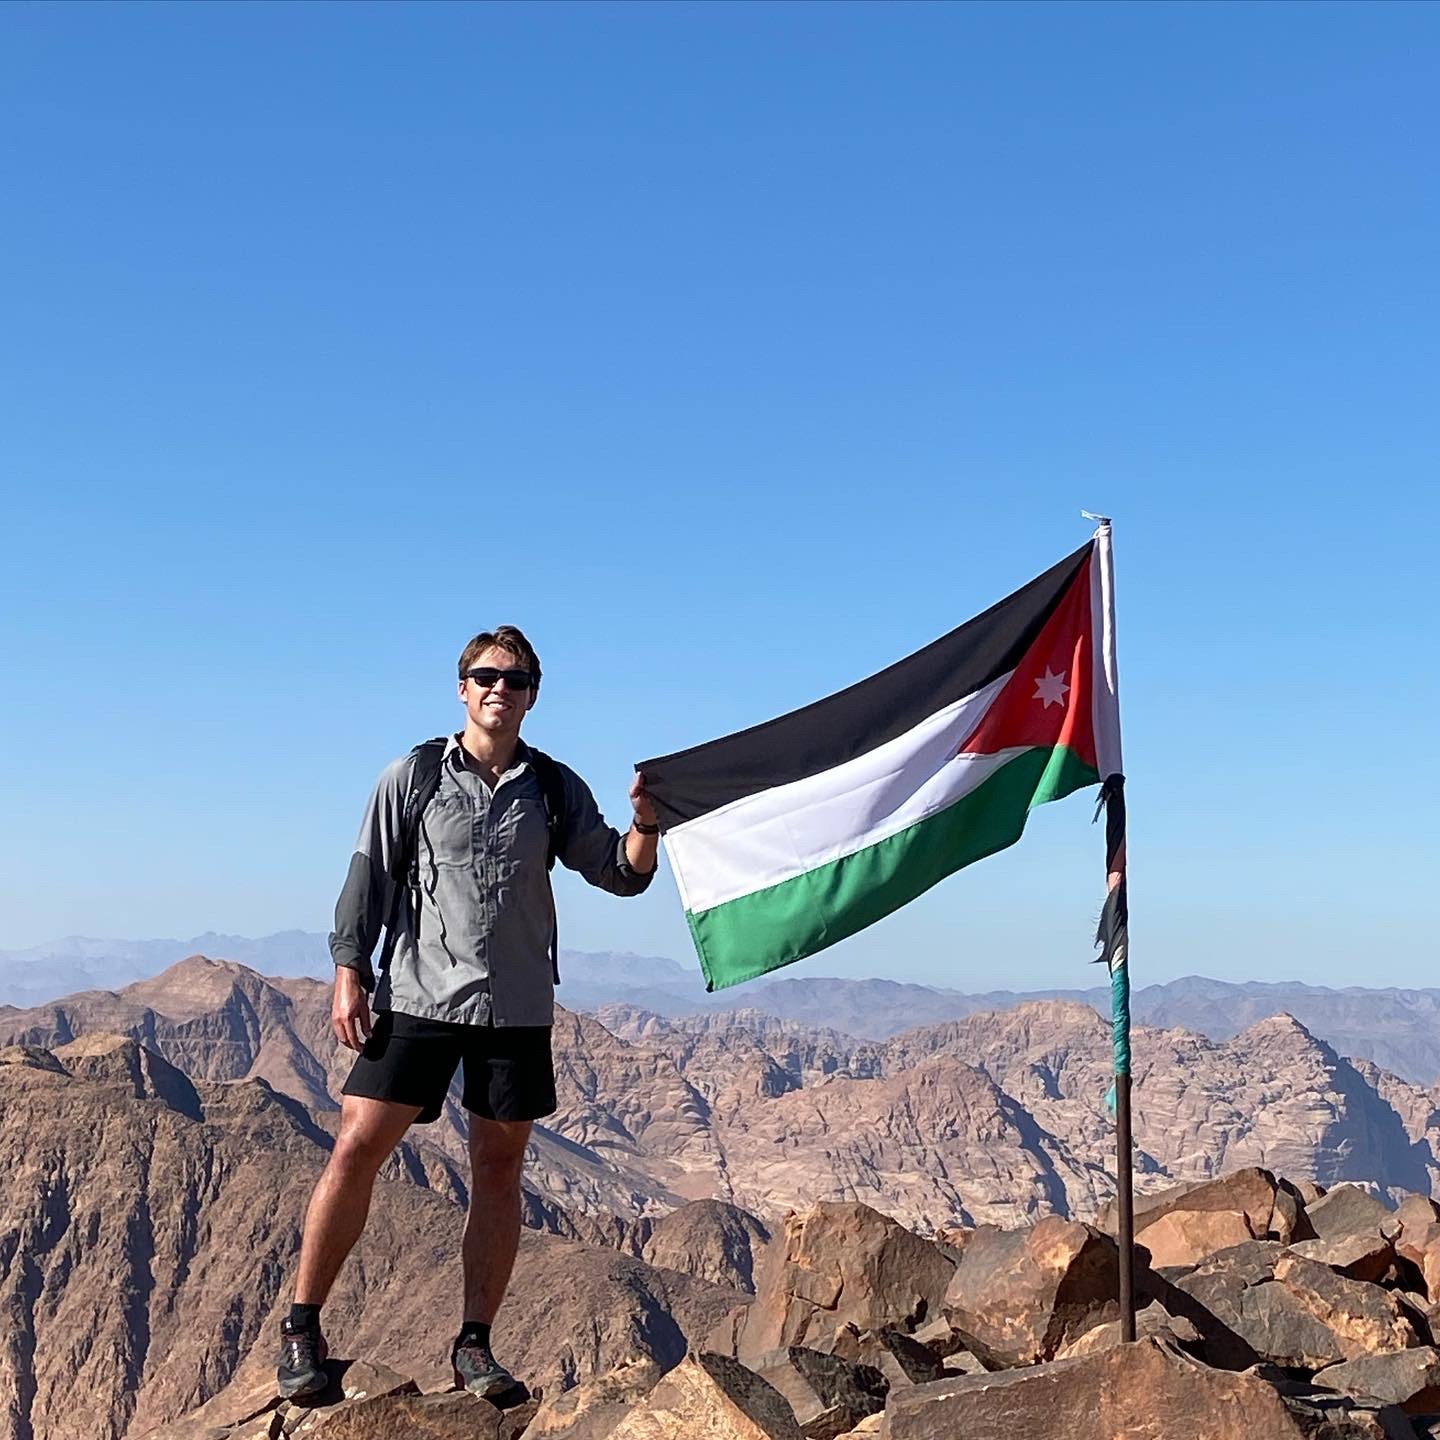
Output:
x=645 y=829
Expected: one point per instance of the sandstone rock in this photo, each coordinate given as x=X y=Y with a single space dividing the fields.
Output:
x=1419 y=1244
x=709 y=1239
x=1289 y=1221
x=1312 y=1318
x=828 y=1394
x=1308 y=1191
x=1018 y=1296
x=1279 y=1326
x=590 y=1411
x=1408 y=1378
x=1416 y=1212
x=901 y=1359
x=1362 y=1255
x=839 y=1263
x=1346 y=1209
x=351 y=1381
x=939 y=1337
x=453 y=1415
x=1213 y=1297
x=1365 y=1319
x=724 y=1337
x=1185 y=1237
x=1153 y=1322
x=1130 y=1392
x=1249 y=1193
x=710 y=1397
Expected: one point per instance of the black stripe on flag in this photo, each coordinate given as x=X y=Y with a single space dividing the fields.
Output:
x=818 y=737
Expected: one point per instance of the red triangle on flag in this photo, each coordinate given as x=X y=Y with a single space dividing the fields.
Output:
x=1047 y=699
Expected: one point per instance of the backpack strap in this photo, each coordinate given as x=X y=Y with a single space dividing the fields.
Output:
x=424 y=782
x=552 y=788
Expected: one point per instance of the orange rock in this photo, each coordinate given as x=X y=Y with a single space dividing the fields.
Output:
x=1186 y=1237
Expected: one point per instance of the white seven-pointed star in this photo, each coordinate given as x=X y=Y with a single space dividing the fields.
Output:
x=1051 y=689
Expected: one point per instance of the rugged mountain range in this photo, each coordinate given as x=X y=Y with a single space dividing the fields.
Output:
x=998 y=1117
x=158 y=1142
x=1397 y=1029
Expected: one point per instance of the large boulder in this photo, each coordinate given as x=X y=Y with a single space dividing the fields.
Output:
x=828 y=1393
x=710 y=1239
x=1407 y=1378
x=1365 y=1319
x=1416 y=1211
x=1347 y=1209
x=1293 y=1311
x=1018 y=1296
x=590 y=1411
x=1419 y=1244
x=1289 y=1220
x=1249 y=1193
x=452 y=1415
x=1186 y=1237
x=1154 y=1321
x=1361 y=1254
x=836 y=1264
x=1131 y=1392
x=710 y=1397
x=901 y=1359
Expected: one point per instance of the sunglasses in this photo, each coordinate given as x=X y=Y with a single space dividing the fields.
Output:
x=487 y=675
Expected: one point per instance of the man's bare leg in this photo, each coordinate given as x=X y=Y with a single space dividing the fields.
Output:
x=369 y=1131
x=492 y=1228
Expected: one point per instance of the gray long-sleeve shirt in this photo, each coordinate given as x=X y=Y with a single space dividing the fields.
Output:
x=473 y=945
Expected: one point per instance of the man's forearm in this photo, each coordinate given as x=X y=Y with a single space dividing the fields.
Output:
x=641 y=851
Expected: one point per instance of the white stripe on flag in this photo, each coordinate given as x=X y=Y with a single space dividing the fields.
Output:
x=760 y=840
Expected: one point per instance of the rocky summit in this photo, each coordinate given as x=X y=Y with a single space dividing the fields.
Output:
x=859 y=1327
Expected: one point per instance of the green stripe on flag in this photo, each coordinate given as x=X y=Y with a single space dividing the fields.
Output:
x=798 y=917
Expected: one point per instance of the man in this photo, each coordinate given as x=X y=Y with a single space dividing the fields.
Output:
x=467 y=978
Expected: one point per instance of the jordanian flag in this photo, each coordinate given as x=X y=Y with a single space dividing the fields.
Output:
x=790 y=836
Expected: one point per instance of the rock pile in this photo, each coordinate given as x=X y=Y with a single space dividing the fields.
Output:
x=1269 y=1309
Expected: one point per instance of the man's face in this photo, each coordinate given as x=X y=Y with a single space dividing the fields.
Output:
x=496 y=708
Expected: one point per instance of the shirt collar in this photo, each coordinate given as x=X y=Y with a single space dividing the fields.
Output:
x=454 y=753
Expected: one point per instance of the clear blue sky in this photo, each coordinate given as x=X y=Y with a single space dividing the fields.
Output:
x=734 y=351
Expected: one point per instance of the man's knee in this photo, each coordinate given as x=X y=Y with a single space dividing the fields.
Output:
x=367 y=1136
x=361 y=1154
x=497 y=1153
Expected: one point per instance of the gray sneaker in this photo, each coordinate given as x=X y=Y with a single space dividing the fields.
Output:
x=301 y=1370
x=478 y=1371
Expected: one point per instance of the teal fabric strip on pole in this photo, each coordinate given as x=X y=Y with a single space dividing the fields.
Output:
x=1120 y=1015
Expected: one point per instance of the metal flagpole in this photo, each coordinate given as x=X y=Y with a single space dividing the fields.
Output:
x=1113 y=933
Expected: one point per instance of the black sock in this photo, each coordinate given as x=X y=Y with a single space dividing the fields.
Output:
x=472 y=1332
x=304 y=1317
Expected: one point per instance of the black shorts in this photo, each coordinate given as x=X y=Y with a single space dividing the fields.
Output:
x=509 y=1073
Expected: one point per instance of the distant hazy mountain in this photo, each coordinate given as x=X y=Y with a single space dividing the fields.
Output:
x=1396 y=1029
x=78 y=962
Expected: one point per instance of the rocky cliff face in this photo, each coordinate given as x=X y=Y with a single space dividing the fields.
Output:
x=998 y=1117
x=148 y=1230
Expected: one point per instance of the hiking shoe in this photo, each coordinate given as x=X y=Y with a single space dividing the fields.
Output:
x=301 y=1370
x=478 y=1371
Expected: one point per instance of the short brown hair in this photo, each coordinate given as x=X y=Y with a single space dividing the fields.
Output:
x=502 y=637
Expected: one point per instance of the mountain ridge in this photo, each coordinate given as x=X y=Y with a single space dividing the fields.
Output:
x=1395 y=1027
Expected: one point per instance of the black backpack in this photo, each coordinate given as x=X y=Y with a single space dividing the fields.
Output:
x=425 y=781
